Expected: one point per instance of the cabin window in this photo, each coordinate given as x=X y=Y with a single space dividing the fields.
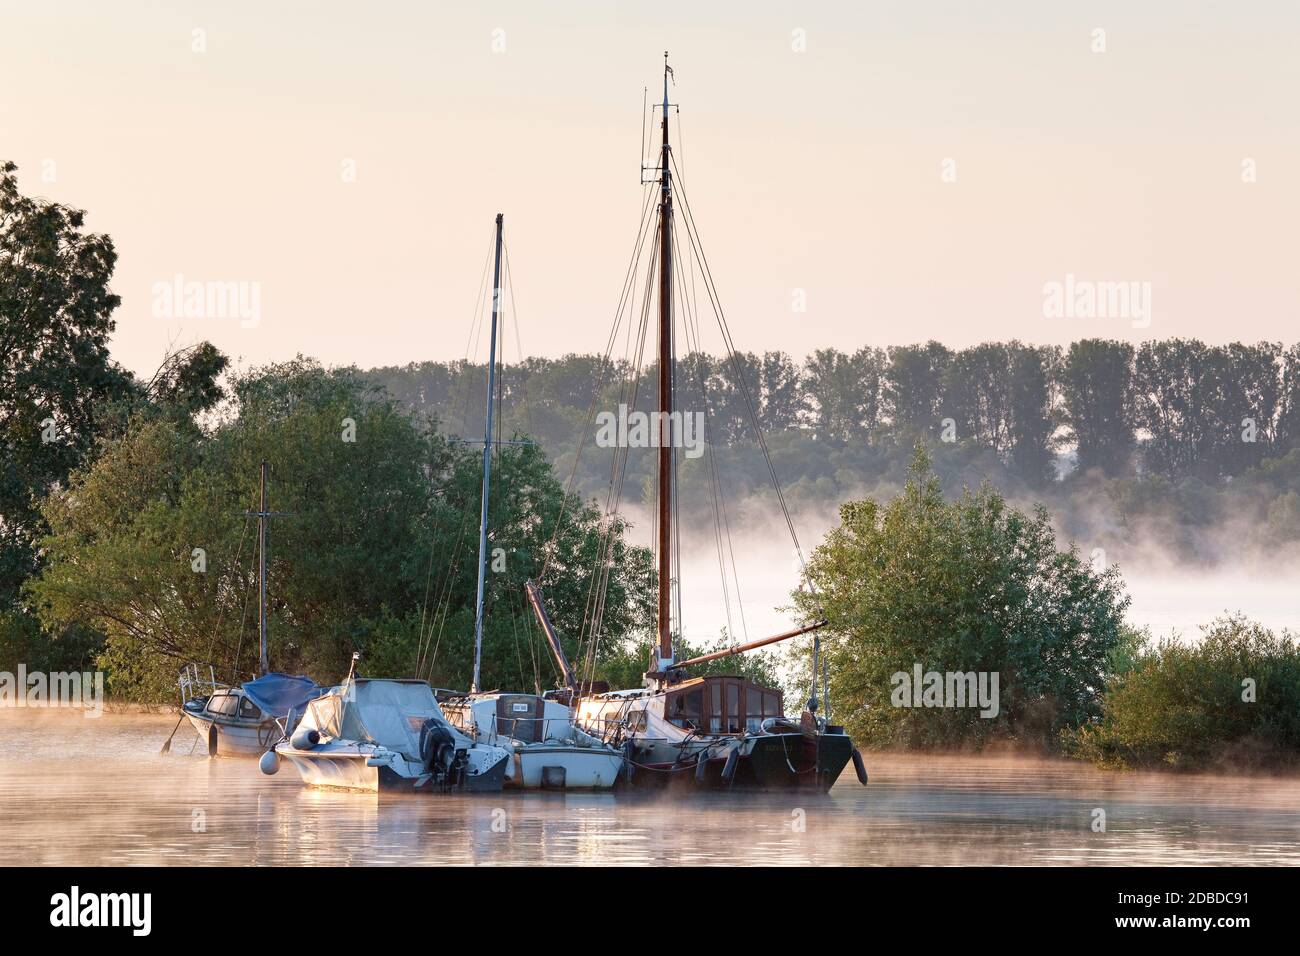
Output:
x=684 y=710
x=248 y=709
x=734 y=722
x=753 y=710
x=771 y=705
x=636 y=721
x=223 y=705
x=715 y=708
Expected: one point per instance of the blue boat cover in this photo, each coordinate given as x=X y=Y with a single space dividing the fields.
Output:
x=279 y=694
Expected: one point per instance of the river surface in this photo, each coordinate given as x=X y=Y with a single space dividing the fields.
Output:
x=91 y=792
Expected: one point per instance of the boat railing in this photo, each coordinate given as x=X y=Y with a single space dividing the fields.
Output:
x=611 y=731
x=193 y=685
x=508 y=727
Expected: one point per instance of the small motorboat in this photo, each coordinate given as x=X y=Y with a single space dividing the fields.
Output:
x=248 y=720
x=381 y=735
x=245 y=721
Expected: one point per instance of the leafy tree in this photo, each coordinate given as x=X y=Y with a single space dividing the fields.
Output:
x=782 y=399
x=377 y=551
x=1030 y=401
x=913 y=386
x=736 y=377
x=1232 y=698
x=977 y=395
x=1097 y=395
x=1245 y=407
x=55 y=319
x=967 y=585
x=1288 y=415
x=844 y=392
x=1176 y=385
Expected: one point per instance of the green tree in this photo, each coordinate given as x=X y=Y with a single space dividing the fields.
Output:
x=376 y=554
x=966 y=585
x=913 y=387
x=1230 y=699
x=782 y=399
x=1030 y=401
x=55 y=319
x=1097 y=396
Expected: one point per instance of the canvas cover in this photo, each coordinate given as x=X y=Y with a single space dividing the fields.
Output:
x=280 y=694
x=385 y=712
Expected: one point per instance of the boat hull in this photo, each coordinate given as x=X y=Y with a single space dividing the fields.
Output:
x=543 y=766
x=353 y=771
x=233 y=738
x=792 y=761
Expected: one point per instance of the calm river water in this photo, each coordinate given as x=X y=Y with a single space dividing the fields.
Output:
x=96 y=792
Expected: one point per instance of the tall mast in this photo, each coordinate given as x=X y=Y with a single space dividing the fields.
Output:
x=665 y=482
x=263 y=663
x=487 y=462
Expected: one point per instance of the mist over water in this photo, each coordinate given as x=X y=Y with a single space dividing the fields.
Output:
x=1171 y=594
x=96 y=792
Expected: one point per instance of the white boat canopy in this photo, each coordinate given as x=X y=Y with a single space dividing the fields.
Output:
x=389 y=713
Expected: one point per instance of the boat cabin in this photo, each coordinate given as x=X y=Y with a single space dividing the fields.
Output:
x=230 y=704
x=721 y=705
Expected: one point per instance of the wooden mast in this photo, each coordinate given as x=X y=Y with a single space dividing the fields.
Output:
x=665 y=477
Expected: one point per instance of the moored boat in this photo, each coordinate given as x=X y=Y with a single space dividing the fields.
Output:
x=714 y=730
x=548 y=749
x=246 y=721
x=386 y=735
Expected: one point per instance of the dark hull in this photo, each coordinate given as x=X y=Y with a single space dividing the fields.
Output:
x=775 y=762
x=491 y=781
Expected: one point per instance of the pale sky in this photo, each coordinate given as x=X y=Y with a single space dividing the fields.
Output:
x=817 y=170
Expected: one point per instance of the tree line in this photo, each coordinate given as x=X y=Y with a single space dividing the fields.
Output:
x=1173 y=408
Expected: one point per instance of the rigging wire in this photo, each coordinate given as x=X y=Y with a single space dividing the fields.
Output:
x=628 y=283
x=710 y=287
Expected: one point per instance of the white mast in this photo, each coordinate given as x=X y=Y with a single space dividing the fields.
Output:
x=487 y=464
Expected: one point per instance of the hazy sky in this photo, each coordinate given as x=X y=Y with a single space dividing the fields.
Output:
x=819 y=170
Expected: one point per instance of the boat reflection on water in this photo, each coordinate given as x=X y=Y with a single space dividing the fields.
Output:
x=79 y=792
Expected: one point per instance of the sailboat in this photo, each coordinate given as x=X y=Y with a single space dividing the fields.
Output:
x=248 y=720
x=710 y=731
x=547 y=748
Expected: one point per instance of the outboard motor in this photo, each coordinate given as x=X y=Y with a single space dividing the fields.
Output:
x=437 y=748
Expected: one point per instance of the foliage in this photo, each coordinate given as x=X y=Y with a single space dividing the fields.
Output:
x=378 y=546
x=966 y=585
x=1185 y=705
x=55 y=320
